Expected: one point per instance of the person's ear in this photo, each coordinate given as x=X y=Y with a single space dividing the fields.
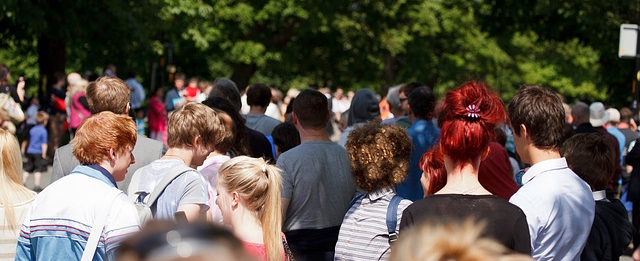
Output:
x=523 y=131
x=112 y=154
x=235 y=199
x=294 y=118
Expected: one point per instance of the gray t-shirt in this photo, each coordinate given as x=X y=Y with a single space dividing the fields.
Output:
x=188 y=188
x=261 y=123
x=316 y=178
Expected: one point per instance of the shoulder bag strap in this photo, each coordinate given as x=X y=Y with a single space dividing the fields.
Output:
x=354 y=200
x=392 y=218
x=98 y=226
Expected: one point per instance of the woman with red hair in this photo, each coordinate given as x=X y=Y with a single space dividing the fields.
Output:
x=467 y=118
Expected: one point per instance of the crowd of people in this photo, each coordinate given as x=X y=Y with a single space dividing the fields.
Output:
x=212 y=172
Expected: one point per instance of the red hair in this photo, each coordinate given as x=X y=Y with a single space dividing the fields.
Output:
x=468 y=117
x=432 y=166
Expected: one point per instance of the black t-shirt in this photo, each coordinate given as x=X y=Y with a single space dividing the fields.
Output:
x=505 y=222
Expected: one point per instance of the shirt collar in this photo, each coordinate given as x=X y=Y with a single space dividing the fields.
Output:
x=544 y=166
x=380 y=193
x=103 y=175
x=599 y=195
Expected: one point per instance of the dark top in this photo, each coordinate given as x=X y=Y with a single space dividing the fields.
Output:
x=495 y=172
x=629 y=136
x=610 y=234
x=505 y=222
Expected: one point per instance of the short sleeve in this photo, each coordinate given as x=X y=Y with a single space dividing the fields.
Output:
x=287 y=179
x=123 y=221
x=195 y=190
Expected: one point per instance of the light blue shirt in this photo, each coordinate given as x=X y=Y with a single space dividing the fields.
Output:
x=137 y=93
x=621 y=141
x=424 y=134
x=559 y=208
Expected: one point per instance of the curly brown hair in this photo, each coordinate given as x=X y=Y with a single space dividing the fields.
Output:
x=379 y=155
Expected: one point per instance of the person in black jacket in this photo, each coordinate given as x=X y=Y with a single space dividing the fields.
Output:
x=590 y=156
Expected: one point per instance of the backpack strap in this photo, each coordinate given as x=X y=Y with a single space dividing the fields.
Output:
x=168 y=178
x=392 y=218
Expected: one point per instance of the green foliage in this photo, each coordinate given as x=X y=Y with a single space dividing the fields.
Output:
x=567 y=45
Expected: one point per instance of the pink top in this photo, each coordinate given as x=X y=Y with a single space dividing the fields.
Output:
x=209 y=171
x=78 y=112
x=157 y=115
x=259 y=251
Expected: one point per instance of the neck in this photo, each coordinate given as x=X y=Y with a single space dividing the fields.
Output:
x=623 y=125
x=246 y=226
x=463 y=179
x=184 y=154
x=539 y=155
x=257 y=110
x=313 y=135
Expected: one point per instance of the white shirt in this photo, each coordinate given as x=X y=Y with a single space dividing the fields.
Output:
x=560 y=210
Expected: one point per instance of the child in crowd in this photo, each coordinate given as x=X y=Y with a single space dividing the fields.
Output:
x=36 y=161
x=192 y=91
x=31 y=121
x=140 y=121
x=591 y=157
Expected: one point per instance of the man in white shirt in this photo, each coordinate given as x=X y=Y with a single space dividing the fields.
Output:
x=558 y=204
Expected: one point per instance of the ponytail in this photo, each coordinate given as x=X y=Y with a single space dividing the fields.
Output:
x=272 y=215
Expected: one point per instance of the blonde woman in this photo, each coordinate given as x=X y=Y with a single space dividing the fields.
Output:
x=15 y=199
x=249 y=199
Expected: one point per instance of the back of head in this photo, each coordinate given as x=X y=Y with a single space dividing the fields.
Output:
x=165 y=240
x=432 y=166
x=591 y=157
x=225 y=88
x=241 y=144
x=285 y=136
x=379 y=155
x=41 y=117
x=540 y=110
x=108 y=94
x=626 y=115
x=311 y=108
x=407 y=88
x=191 y=121
x=101 y=132
x=258 y=184
x=468 y=117
x=364 y=107
x=11 y=189
x=259 y=95
x=580 y=113
x=448 y=240
x=422 y=102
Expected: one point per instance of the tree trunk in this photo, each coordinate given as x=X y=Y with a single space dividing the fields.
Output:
x=51 y=59
x=242 y=73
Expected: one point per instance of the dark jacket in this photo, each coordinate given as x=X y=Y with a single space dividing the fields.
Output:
x=610 y=234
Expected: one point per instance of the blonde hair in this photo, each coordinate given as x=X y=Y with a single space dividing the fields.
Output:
x=191 y=121
x=80 y=86
x=11 y=188
x=258 y=184
x=450 y=241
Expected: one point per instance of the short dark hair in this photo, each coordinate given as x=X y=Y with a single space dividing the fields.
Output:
x=285 y=136
x=225 y=88
x=540 y=110
x=259 y=95
x=422 y=102
x=407 y=88
x=591 y=157
x=626 y=115
x=311 y=108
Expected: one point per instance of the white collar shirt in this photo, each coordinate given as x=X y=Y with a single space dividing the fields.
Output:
x=559 y=207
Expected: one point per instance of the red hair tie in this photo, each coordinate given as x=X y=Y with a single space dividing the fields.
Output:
x=473 y=112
